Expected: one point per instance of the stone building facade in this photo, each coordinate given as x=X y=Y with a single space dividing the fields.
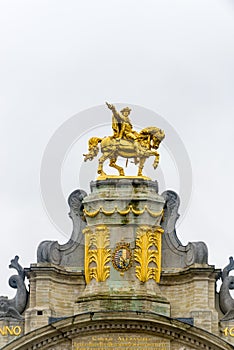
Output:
x=122 y=281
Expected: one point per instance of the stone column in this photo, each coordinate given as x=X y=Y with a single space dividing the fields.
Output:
x=123 y=246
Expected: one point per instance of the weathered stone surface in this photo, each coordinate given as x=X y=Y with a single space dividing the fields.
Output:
x=121 y=304
x=137 y=195
x=53 y=292
x=191 y=293
x=121 y=341
x=10 y=329
x=226 y=331
x=126 y=210
x=119 y=328
x=127 y=302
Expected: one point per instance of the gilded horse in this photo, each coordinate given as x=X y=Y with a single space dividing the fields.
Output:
x=145 y=146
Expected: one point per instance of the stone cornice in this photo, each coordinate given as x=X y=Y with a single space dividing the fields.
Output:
x=183 y=275
x=45 y=268
x=130 y=322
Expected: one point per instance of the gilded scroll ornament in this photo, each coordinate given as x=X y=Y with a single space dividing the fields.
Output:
x=148 y=252
x=96 y=252
x=89 y=235
x=125 y=142
x=129 y=209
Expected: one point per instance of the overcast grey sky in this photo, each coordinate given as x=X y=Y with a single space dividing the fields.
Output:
x=58 y=58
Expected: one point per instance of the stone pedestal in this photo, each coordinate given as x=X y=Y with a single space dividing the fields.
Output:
x=123 y=246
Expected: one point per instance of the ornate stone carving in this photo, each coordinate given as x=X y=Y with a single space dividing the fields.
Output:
x=96 y=251
x=123 y=212
x=174 y=253
x=13 y=308
x=226 y=302
x=71 y=253
x=122 y=257
x=73 y=329
x=123 y=201
x=148 y=252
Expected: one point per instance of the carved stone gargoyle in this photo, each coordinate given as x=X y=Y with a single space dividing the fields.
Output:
x=226 y=302
x=13 y=308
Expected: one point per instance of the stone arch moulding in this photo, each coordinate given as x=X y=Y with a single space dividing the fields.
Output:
x=61 y=334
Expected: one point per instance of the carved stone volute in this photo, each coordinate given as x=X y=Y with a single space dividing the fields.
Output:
x=13 y=308
x=226 y=302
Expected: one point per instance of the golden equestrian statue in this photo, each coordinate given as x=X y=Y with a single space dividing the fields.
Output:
x=126 y=143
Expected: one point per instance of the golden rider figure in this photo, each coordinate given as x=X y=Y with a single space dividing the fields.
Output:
x=121 y=124
x=125 y=142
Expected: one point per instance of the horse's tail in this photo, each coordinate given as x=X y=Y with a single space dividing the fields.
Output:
x=93 y=148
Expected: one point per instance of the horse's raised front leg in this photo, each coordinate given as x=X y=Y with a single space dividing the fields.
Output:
x=141 y=166
x=114 y=165
x=100 y=164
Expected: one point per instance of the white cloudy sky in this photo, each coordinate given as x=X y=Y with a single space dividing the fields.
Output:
x=173 y=57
